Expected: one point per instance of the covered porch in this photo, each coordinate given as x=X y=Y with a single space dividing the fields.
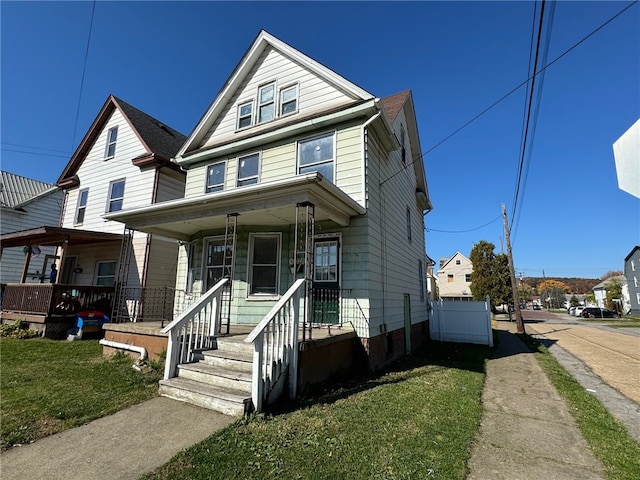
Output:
x=49 y=307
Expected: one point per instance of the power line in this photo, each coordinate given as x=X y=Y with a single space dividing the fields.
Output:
x=464 y=231
x=34 y=148
x=34 y=153
x=512 y=91
x=84 y=69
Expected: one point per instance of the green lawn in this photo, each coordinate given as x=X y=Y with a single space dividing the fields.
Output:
x=417 y=421
x=47 y=386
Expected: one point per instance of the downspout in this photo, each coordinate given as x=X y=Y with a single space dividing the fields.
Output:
x=125 y=346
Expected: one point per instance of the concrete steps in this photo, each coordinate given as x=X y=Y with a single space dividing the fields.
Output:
x=220 y=380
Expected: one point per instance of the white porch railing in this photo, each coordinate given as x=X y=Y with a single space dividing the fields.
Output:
x=275 y=347
x=194 y=329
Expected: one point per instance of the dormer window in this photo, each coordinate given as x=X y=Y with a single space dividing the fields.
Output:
x=266 y=103
x=288 y=100
x=112 y=136
x=245 y=115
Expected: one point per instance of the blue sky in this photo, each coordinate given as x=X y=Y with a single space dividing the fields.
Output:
x=170 y=59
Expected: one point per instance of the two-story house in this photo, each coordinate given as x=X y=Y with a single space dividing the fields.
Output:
x=294 y=171
x=24 y=204
x=632 y=274
x=123 y=161
x=454 y=278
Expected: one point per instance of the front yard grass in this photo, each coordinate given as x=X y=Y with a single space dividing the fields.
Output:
x=416 y=421
x=47 y=386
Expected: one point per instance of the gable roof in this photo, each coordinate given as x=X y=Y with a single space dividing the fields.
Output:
x=249 y=59
x=157 y=138
x=16 y=190
x=394 y=103
x=457 y=254
x=603 y=284
x=631 y=252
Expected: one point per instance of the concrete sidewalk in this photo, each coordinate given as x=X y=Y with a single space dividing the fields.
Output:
x=526 y=430
x=125 y=445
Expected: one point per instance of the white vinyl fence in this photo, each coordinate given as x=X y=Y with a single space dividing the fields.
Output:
x=461 y=322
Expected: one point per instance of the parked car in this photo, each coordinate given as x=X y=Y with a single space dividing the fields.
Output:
x=578 y=311
x=571 y=310
x=536 y=306
x=595 y=312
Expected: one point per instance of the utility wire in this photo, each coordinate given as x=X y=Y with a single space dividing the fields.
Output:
x=33 y=148
x=511 y=92
x=34 y=153
x=84 y=69
x=465 y=231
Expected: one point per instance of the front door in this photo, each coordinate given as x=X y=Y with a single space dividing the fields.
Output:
x=326 y=280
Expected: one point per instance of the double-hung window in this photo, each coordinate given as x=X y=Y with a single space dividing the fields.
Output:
x=317 y=155
x=215 y=177
x=106 y=273
x=116 y=196
x=214 y=256
x=264 y=268
x=288 y=100
x=248 y=170
x=245 y=115
x=112 y=137
x=267 y=103
x=83 y=196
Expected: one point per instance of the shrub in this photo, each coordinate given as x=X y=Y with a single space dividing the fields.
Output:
x=18 y=329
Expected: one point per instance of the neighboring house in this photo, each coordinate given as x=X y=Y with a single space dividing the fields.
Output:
x=123 y=161
x=600 y=292
x=432 y=279
x=454 y=278
x=295 y=171
x=632 y=274
x=26 y=203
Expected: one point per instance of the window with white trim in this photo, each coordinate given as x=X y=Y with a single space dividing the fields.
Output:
x=408 y=225
x=81 y=209
x=248 y=170
x=245 y=115
x=633 y=266
x=288 y=100
x=264 y=265
x=215 y=177
x=317 y=155
x=450 y=278
x=116 y=195
x=635 y=281
x=267 y=103
x=106 y=273
x=638 y=297
x=112 y=137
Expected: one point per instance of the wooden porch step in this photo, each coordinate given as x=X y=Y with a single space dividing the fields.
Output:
x=224 y=400
x=232 y=379
x=240 y=361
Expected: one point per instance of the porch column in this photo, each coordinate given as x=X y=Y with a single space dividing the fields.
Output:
x=25 y=265
x=305 y=230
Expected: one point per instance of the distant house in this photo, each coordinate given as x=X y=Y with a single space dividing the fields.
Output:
x=123 y=161
x=26 y=203
x=600 y=292
x=295 y=174
x=632 y=274
x=454 y=278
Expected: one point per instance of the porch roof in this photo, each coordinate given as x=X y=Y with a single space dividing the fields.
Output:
x=48 y=235
x=267 y=204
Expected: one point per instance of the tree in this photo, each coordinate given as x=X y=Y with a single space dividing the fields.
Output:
x=573 y=301
x=614 y=292
x=490 y=275
x=525 y=292
x=611 y=273
x=554 y=291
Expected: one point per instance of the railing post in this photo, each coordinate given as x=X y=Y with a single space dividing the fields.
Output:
x=293 y=365
x=257 y=384
x=172 y=355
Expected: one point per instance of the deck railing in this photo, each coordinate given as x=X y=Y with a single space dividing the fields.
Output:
x=153 y=304
x=275 y=348
x=48 y=299
x=194 y=330
x=338 y=307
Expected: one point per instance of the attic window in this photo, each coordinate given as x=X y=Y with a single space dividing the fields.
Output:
x=266 y=103
x=112 y=136
x=288 y=100
x=245 y=114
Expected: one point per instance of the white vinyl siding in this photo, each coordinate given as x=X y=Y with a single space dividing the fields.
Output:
x=314 y=94
x=96 y=176
x=170 y=186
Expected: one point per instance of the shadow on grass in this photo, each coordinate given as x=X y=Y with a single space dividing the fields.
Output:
x=438 y=355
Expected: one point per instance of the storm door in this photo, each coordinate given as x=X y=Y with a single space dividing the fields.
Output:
x=214 y=249
x=326 y=280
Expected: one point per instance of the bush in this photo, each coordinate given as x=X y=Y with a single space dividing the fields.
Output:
x=18 y=329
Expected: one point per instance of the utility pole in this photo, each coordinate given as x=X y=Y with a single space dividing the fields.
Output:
x=512 y=274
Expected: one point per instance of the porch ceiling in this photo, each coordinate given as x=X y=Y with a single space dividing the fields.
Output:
x=266 y=204
x=53 y=236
